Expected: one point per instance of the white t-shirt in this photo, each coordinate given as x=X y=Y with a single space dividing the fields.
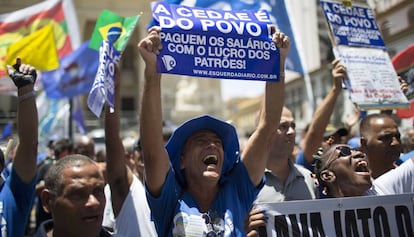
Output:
x=134 y=219
x=396 y=181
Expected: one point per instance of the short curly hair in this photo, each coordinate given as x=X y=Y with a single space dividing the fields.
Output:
x=54 y=179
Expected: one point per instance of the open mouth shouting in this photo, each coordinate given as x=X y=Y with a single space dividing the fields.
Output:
x=361 y=168
x=210 y=160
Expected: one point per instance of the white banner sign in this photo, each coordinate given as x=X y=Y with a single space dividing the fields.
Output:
x=373 y=82
x=356 y=216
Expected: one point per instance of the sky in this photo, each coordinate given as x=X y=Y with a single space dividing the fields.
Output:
x=239 y=88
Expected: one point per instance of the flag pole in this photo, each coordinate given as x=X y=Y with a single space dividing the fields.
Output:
x=70 y=119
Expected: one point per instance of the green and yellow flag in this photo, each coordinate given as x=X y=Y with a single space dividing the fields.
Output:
x=37 y=49
x=108 y=20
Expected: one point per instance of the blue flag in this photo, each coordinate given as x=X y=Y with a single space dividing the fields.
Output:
x=103 y=85
x=75 y=75
x=77 y=116
x=277 y=10
x=7 y=131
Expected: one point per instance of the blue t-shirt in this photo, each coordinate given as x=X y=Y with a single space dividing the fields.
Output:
x=178 y=212
x=16 y=198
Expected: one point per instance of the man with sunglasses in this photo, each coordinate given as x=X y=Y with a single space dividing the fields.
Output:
x=344 y=172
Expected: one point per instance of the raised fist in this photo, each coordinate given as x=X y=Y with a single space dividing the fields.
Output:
x=22 y=74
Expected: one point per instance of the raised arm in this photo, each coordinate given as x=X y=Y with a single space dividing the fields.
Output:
x=156 y=160
x=24 y=163
x=119 y=177
x=314 y=136
x=255 y=153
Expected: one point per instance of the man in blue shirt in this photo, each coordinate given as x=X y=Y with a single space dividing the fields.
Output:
x=17 y=192
x=197 y=185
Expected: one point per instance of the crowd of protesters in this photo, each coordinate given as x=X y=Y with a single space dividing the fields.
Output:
x=193 y=181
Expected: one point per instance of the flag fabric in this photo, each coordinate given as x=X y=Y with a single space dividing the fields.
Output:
x=75 y=75
x=103 y=86
x=53 y=119
x=403 y=63
x=77 y=116
x=404 y=60
x=37 y=49
x=16 y=25
x=108 y=20
x=7 y=131
x=276 y=8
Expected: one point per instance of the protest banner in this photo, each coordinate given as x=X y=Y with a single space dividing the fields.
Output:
x=354 y=216
x=352 y=26
x=279 y=15
x=16 y=25
x=373 y=82
x=211 y=43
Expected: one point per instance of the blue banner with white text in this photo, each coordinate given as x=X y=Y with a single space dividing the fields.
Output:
x=352 y=26
x=279 y=15
x=216 y=44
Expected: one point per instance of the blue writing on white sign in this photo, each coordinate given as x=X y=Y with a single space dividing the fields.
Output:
x=216 y=44
x=352 y=26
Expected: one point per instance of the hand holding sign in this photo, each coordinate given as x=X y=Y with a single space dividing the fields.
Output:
x=150 y=47
x=211 y=43
x=282 y=42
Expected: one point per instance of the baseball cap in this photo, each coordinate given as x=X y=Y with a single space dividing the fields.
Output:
x=331 y=130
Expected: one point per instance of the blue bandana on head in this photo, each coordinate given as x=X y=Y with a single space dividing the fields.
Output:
x=225 y=131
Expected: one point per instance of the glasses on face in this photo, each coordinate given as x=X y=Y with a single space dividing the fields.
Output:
x=343 y=151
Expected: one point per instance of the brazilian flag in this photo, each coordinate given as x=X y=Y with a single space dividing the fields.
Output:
x=108 y=20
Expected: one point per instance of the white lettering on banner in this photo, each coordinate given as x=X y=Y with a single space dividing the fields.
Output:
x=181 y=49
x=208 y=14
x=337 y=8
x=250 y=44
x=225 y=22
x=183 y=38
x=216 y=41
x=360 y=216
x=220 y=63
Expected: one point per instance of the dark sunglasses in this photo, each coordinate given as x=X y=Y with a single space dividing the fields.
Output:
x=343 y=151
